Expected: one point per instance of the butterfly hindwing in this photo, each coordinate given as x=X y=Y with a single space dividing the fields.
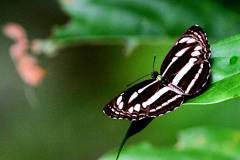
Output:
x=187 y=62
x=149 y=98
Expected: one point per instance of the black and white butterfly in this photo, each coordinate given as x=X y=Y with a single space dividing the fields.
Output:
x=184 y=72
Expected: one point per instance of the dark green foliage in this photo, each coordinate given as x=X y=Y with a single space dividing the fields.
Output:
x=94 y=19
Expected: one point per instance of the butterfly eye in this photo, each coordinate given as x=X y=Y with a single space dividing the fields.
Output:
x=154 y=75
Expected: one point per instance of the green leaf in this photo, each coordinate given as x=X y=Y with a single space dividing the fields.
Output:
x=193 y=144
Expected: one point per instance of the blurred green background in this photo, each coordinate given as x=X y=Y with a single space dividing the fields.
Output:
x=67 y=121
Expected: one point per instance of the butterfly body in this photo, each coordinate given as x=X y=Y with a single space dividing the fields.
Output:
x=184 y=72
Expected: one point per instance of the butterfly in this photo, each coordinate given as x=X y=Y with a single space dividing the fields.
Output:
x=184 y=73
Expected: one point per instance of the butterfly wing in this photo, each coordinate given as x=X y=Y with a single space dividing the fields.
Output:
x=149 y=98
x=186 y=65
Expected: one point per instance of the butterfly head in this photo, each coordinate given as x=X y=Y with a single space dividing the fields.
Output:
x=155 y=75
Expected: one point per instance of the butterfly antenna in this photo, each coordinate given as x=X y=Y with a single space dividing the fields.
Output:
x=154 y=59
x=137 y=80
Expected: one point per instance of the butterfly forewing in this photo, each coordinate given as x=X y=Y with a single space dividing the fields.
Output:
x=187 y=62
x=149 y=98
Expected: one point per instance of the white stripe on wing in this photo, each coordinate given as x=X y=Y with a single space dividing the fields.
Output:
x=183 y=71
x=155 y=97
